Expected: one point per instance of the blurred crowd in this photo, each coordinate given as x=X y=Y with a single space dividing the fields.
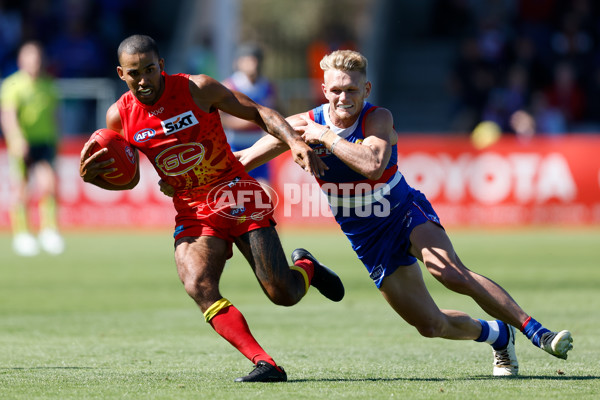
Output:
x=79 y=39
x=79 y=36
x=524 y=65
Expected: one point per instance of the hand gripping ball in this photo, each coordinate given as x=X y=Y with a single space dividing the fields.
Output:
x=118 y=149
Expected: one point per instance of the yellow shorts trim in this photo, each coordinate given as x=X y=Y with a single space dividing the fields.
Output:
x=215 y=308
x=304 y=274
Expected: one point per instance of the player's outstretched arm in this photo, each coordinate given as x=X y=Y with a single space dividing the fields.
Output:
x=369 y=158
x=209 y=94
x=265 y=149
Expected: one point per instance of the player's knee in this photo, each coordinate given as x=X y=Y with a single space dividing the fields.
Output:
x=281 y=295
x=284 y=299
x=192 y=288
x=197 y=285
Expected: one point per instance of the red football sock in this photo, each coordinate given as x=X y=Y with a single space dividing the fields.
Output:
x=232 y=326
x=306 y=269
x=525 y=324
x=307 y=266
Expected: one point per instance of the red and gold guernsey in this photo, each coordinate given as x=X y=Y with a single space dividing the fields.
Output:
x=186 y=145
x=189 y=150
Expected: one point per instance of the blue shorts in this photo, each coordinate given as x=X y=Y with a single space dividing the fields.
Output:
x=383 y=245
x=261 y=172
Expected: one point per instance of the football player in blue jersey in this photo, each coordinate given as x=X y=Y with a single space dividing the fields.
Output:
x=249 y=79
x=391 y=225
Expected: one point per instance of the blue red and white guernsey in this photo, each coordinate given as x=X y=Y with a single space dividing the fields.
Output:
x=377 y=216
x=261 y=92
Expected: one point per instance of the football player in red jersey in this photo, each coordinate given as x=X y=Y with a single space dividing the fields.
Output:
x=174 y=120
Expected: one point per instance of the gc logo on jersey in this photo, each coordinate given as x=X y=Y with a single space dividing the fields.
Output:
x=179 y=122
x=144 y=135
x=179 y=159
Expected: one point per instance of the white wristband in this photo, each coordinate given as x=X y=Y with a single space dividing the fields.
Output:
x=323 y=133
x=337 y=139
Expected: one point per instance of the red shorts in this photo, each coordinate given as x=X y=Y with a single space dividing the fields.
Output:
x=229 y=210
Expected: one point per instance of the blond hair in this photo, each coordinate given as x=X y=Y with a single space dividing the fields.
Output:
x=345 y=60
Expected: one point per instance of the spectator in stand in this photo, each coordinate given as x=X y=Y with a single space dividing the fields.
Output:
x=10 y=36
x=249 y=80
x=504 y=101
x=573 y=39
x=77 y=53
x=470 y=83
x=534 y=19
x=524 y=53
x=549 y=120
x=566 y=95
x=592 y=91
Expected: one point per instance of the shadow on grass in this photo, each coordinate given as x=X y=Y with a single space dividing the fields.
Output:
x=472 y=378
x=32 y=368
x=523 y=378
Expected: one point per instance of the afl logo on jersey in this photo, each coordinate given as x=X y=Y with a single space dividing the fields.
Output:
x=321 y=151
x=144 y=135
x=179 y=159
x=179 y=122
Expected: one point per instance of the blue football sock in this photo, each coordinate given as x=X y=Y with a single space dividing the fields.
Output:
x=495 y=333
x=534 y=331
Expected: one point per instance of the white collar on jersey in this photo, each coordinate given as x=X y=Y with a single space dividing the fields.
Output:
x=341 y=132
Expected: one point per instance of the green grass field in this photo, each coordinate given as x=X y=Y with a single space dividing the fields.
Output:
x=110 y=320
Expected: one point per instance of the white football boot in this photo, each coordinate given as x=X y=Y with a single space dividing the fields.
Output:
x=505 y=360
x=24 y=244
x=557 y=343
x=51 y=241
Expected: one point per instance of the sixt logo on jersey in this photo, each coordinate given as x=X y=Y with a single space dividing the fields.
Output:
x=144 y=135
x=179 y=122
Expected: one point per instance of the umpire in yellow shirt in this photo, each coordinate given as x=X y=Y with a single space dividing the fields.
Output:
x=29 y=104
